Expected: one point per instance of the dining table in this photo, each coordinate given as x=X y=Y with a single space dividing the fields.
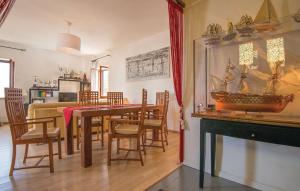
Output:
x=85 y=114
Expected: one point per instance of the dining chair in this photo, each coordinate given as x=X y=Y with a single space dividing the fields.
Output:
x=86 y=99
x=158 y=122
x=23 y=135
x=160 y=99
x=128 y=129
x=115 y=98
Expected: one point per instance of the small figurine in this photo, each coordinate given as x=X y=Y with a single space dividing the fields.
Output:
x=245 y=26
x=231 y=34
x=297 y=16
x=213 y=33
x=84 y=77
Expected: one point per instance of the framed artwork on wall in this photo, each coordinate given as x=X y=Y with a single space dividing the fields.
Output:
x=151 y=65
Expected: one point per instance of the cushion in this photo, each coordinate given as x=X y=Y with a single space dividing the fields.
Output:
x=152 y=122
x=127 y=129
x=38 y=133
x=95 y=122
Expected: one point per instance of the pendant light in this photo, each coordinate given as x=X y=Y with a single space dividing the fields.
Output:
x=67 y=42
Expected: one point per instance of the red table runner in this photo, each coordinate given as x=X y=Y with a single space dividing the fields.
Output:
x=68 y=111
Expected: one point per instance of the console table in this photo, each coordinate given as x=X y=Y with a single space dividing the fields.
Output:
x=284 y=130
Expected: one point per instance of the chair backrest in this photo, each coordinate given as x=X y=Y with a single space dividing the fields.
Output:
x=143 y=110
x=15 y=111
x=88 y=98
x=160 y=97
x=115 y=98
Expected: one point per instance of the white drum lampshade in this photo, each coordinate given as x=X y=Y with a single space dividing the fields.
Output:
x=68 y=43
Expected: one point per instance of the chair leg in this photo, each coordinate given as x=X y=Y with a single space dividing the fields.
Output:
x=167 y=131
x=162 y=140
x=98 y=133
x=59 y=146
x=50 y=145
x=25 y=153
x=139 y=150
x=13 y=160
x=102 y=133
x=118 y=146
x=166 y=138
x=109 y=150
x=166 y=134
x=144 y=142
x=145 y=137
x=77 y=137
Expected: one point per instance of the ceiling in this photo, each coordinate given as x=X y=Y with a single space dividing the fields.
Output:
x=101 y=24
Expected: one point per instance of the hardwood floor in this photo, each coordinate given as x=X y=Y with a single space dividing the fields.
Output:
x=68 y=174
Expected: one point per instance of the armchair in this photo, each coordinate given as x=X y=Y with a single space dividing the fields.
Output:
x=22 y=135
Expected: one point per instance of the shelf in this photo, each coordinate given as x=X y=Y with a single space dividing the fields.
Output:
x=285 y=27
x=44 y=88
x=73 y=80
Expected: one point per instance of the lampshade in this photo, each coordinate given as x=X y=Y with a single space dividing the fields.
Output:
x=68 y=43
x=275 y=50
x=246 y=54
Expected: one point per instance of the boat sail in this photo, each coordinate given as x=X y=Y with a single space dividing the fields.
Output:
x=266 y=18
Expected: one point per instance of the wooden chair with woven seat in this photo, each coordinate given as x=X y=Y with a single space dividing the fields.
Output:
x=115 y=98
x=22 y=135
x=90 y=98
x=158 y=122
x=128 y=129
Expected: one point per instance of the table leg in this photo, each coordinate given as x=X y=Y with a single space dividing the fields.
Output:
x=86 y=141
x=155 y=132
x=69 y=138
x=202 y=154
x=213 y=153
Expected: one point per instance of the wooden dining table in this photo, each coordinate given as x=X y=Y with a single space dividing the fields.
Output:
x=86 y=116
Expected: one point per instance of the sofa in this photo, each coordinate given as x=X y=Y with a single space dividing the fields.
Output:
x=37 y=110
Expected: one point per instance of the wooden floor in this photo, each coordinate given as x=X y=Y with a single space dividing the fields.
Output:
x=69 y=175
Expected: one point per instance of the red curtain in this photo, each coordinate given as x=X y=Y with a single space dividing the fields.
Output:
x=5 y=7
x=176 y=36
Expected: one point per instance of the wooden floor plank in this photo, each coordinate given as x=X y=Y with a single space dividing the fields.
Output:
x=69 y=175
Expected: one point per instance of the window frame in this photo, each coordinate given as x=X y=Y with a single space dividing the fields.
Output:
x=100 y=83
x=11 y=71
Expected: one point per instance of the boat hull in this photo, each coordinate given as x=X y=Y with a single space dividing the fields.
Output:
x=251 y=102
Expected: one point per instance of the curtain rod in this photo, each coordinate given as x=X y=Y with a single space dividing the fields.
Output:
x=13 y=48
x=100 y=58
x=180 y=3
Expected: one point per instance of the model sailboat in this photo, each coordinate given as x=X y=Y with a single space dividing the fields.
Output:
x=244 y=100
x=266 y=18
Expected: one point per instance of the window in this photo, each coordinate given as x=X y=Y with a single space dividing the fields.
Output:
x=6 y=75
x=99 y=80
x=103 y=81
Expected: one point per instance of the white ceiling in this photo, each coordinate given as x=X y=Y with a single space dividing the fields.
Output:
x=101 y=24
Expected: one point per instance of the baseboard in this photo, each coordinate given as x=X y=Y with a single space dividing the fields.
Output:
x=240 y=180
x=250 y=183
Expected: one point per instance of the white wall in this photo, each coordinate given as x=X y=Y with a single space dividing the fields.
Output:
x=37 y=62
x=133 y=90
x=261 y=165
